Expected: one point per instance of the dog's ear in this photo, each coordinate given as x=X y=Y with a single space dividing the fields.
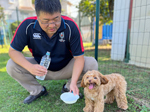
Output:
x=103 y=79
x=82 y=82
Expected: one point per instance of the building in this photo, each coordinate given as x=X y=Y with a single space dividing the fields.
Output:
x=66 y=7
x=17 y=9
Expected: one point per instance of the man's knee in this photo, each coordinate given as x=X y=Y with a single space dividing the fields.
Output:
x=90 y=64
x=10 y=67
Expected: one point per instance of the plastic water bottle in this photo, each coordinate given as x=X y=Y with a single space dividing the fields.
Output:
x=45 y=61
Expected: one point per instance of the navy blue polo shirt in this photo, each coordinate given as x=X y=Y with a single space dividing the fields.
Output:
x=63 y=45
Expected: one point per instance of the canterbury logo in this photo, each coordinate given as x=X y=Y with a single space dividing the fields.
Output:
x=36 y=36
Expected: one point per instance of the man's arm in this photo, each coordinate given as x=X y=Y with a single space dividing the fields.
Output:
x=19 y=58
x=77 y=69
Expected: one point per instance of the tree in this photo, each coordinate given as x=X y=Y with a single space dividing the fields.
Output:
x=33 y=1
x=88 y=8
x=2 y=16
x=13 y=26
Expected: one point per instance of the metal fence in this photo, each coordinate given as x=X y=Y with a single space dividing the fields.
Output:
x=128 y=52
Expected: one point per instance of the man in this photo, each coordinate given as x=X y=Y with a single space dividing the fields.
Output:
x=49 y=31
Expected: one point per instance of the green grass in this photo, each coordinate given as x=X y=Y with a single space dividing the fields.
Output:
x=12 y=93
x=88 y=44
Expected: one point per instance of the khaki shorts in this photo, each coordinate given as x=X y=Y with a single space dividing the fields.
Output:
x=30 y=83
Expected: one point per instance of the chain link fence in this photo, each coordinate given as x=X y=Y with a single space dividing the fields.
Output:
x=123 y=46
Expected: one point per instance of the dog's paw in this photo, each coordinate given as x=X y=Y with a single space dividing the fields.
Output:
x=124 y=107
x=87 y=110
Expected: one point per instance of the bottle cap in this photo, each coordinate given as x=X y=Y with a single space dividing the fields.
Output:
x=48 y=53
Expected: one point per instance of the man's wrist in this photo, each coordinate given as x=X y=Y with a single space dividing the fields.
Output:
x=29 y=66
x=73 y=82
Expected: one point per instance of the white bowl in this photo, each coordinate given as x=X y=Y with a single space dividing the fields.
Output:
x=69 y=98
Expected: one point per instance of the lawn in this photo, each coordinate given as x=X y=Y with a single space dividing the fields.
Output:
x=12 y=94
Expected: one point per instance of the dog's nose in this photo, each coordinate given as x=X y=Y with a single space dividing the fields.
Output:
x=89 y=80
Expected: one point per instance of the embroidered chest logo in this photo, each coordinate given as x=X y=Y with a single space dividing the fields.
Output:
x=36 y=36
x=61 y=35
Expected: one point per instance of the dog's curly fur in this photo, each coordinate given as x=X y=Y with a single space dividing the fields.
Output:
x=96 y=86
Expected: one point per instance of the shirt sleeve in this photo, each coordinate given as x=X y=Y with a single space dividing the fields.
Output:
x=20 y=39
x=76 y=43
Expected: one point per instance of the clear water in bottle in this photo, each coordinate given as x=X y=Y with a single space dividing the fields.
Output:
x=45 y=61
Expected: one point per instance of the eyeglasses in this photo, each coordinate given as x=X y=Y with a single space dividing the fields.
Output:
x=47 y=23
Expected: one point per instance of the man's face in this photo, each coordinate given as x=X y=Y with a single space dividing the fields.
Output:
x=50 y=23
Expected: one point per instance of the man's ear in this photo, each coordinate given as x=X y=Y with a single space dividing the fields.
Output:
x=103 y=79
x=82 y=82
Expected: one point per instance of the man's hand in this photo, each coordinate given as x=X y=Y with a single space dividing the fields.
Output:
x=19 y=58
x=74 y=89
x=38 y=70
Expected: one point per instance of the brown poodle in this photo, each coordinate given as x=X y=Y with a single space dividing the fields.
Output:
x=96 y=86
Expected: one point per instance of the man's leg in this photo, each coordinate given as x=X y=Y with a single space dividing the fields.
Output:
x=24 y=77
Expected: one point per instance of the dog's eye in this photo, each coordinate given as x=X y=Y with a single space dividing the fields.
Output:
x=95 y=77
x=87 y=77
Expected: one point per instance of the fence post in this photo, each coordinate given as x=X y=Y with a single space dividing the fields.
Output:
x=4 y=33
x=97 y=27
x=1 y=39
x=91 y=28
x=17 y=15
x=79 y=20
x=127 y=55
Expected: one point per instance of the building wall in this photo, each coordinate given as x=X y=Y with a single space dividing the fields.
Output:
x=66 y=7
x=9 y=8
x=11 y=12
x=140 y=34
x=26 y=3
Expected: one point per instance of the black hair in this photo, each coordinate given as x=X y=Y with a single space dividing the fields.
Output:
x=48 y=6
